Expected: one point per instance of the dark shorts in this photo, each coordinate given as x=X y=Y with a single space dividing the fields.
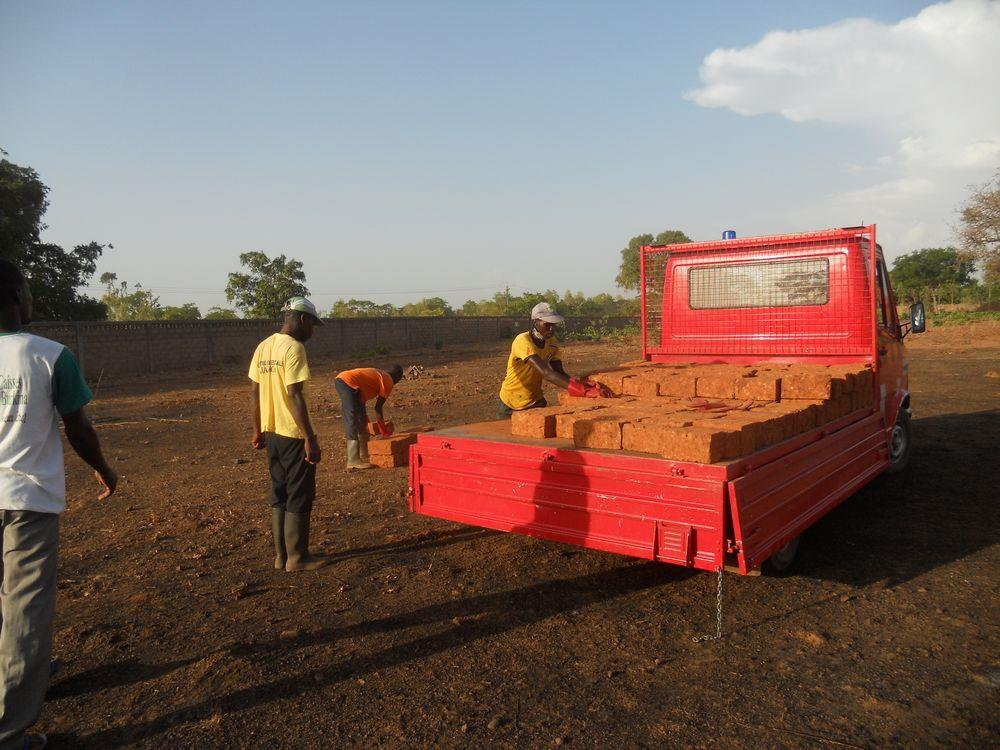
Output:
x=505 y=411
x=293 y=479
x=352 y=409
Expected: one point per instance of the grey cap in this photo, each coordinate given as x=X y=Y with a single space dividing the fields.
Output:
x=542 y=311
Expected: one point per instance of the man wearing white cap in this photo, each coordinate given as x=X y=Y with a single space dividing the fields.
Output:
x=535 y=357
x=279 y=371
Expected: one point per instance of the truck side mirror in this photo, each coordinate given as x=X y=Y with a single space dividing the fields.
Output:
x=918 y=319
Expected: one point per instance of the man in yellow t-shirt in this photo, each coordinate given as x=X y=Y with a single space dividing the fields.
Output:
x=534 y=358
x=279 y=371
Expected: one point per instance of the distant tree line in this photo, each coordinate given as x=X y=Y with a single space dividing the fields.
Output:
x=502 y=304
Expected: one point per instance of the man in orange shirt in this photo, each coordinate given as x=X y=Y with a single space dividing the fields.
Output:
x=356 y=388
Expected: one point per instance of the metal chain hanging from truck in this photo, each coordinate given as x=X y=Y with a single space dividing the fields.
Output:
x=718 y=613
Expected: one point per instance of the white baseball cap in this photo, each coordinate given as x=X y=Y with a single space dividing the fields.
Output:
x=301 y=304
x=542 y=311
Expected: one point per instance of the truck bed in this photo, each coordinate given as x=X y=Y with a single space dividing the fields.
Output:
x=732 y=513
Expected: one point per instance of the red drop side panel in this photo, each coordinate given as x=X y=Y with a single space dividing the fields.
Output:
x=773 y=503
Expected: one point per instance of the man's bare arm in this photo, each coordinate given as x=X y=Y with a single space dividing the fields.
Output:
x=258 y=438
x=83 y=438
x=551 y=375
x=300 y=413
x=555 y=374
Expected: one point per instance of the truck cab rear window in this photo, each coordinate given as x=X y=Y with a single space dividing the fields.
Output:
x=786 y=283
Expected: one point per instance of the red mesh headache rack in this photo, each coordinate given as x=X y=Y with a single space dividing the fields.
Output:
x=795 y=297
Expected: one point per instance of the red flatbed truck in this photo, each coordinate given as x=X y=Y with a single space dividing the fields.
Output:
x=820 y=298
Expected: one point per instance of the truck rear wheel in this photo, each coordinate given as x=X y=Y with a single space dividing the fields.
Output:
x=782 y=561
x=900 y=443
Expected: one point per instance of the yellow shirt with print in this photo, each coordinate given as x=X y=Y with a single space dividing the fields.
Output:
x=278 y=362
x=522 y=385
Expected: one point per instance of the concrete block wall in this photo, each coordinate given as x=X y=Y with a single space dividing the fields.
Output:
x=123 y=349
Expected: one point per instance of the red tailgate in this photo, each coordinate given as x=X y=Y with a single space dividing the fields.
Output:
x=644 y=507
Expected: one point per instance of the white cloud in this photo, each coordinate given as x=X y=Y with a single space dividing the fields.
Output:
x=928 y=84
x=903 y=189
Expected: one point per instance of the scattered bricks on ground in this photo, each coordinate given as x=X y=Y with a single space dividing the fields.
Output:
x=390 y=452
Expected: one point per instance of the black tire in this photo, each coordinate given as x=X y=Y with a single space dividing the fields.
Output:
x=782 y=562
x=900 y=443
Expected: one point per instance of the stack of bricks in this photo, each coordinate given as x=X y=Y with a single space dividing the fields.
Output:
x=390 y=452
x=702 y=412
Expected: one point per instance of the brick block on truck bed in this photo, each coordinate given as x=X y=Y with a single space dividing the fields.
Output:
x=760 y=386
x=602 y=432
x=640 y=385
x=718 y=384
x=565 y=422
x=539 y=423
x=677 y=384
x=705 y=445
x=806 y=383
x=650 y=435
x=614 y=379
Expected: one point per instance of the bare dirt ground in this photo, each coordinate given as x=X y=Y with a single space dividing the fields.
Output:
x=175 y=632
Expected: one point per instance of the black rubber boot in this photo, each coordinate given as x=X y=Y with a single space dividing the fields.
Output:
x=278 y=535
x=297 y=544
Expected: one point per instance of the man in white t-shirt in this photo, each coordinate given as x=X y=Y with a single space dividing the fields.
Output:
x=39 y=379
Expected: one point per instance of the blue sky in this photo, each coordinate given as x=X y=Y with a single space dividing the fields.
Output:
x=402 y=149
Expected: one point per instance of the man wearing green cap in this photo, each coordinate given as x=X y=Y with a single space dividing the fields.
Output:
x=280 y=421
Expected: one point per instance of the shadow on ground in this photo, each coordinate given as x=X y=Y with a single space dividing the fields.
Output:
x=465 y=621
x=941 y=509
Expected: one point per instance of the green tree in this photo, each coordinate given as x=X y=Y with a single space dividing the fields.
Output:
x=187 y=311
x=429 y=307
x=220 y=313
x=23 y=202
x=263 y=290
x=472 y=308
x=630 y=268
x=54 y=274
x=361 y=308
x=937 y=272
x=122 y=304
x=979 y=229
